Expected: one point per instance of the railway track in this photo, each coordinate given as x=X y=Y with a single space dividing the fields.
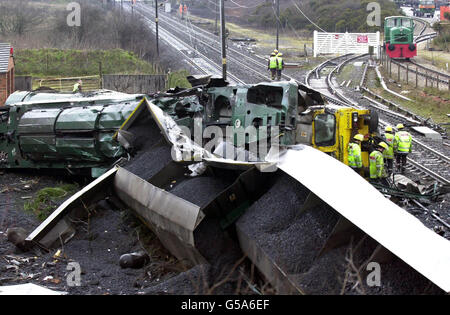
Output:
x=429 y=159
x=200 y=61
x=421 y=36
x=202 y=40
x=425 y=159
x=323 y=84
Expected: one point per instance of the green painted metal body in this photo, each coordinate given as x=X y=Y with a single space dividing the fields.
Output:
x=399 y=30
x=238 y=107
x=75 y=135
x=267 y=104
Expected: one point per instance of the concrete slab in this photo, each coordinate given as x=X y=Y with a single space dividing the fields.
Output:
x=427 y=132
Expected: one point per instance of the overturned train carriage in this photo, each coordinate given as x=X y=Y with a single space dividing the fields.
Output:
x=293 y=221
x=47 y=130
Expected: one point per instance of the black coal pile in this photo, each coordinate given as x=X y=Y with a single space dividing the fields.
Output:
x=194 y=281
x=212 y=242
x=293 y=239
x=151 y=151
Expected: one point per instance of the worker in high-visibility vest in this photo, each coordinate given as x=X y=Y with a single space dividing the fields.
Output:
x=273 y=65
x=280 y=65
x=376 y=163
x=354 y=153
x=77 y=86
x=402 y=147
x=389 y=153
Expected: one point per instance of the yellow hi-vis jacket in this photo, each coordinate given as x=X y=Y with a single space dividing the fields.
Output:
x=402 y=142
x=376 y=165
x=280 y=63
x=354 y=155
x=389 y=153
x=76 y=87
x=273 y=63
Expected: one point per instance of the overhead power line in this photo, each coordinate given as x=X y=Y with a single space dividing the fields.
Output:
x=310 y=21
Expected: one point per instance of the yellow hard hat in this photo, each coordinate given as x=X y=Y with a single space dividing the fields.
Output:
x=400 y=126
x=359 y=137
x=275 y=51
x=280 y=54
x=388 y=129
x=273 y=54
x=383 y=145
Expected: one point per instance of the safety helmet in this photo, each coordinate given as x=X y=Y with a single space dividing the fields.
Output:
x=273 y=54
x=275 y=51
x=388 y=129
x=383 y=145
x=400 y=126
x=280 y=54
x=359 y=137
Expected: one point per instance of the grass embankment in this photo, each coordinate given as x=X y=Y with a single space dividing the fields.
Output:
x=47 y=200
x=44 y=63
x=439 y=59
x=427 y=102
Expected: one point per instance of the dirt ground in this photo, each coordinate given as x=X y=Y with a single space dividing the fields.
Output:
x=97 y=246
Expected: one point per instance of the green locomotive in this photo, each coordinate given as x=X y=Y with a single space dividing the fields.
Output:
x=399 y=37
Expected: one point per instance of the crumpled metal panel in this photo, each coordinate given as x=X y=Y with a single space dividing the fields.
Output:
x=78 y=118
x=39 y=147
x=78 y=149
x=170 y=217
x=109 y=147
x=114 y=115
x=38 y=121
x=58 y=99
x=49 y=231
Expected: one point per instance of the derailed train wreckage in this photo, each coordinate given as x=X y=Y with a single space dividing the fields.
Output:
x=63 y=131
x=287 y=205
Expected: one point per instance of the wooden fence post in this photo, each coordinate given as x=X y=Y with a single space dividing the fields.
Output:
x=417 y=79
x=407 y=74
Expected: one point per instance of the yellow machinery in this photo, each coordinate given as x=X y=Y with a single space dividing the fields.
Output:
x=330 y=129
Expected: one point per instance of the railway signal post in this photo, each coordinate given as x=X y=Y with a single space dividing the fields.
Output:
x=278 y=23
x=156 y=26
x=222 y=35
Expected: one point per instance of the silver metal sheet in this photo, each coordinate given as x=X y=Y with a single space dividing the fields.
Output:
x=51 y=229
x=358 y=201
x=27 y=289
x=171 y=218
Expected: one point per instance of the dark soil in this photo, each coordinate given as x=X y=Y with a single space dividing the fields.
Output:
x=97 y=246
